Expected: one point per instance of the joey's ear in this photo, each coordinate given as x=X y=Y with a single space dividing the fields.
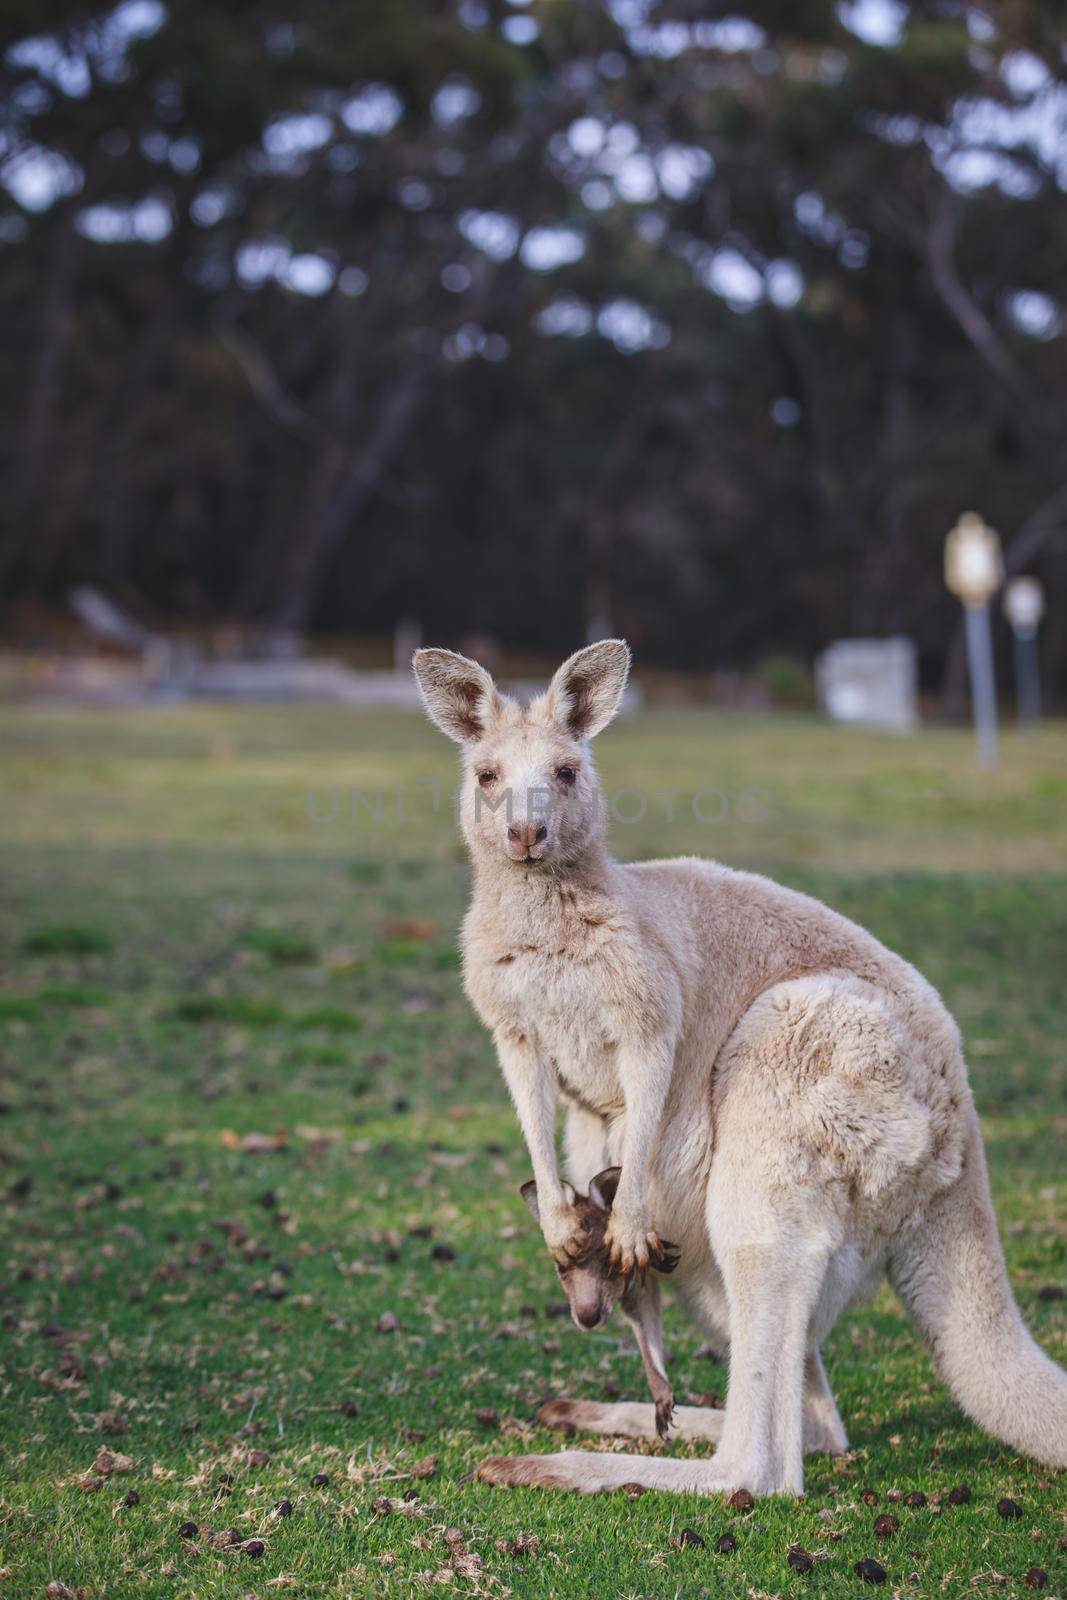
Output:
x=585 y=693
x=458 y=694
x=603 y=1186
x=529 y=1194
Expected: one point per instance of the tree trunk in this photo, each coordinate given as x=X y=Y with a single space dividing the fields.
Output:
x=42 y=397
x=338 y=490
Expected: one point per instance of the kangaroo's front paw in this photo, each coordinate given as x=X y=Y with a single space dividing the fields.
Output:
x=566 y=1241
x=633 y=1246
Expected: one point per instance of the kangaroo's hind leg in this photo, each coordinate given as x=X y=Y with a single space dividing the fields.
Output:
x=823 y=1431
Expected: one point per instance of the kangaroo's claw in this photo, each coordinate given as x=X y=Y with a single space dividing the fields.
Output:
x=664 y=1414
x=665 y=1257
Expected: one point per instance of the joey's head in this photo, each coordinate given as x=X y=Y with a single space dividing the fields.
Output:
x=529 y=793
x=591 y=1290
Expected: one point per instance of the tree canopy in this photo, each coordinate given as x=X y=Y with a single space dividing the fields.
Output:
x=704 y=323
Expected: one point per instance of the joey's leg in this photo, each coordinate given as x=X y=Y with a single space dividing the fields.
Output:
x=532 y=1085
x=641 y=1308
x=645 y=1074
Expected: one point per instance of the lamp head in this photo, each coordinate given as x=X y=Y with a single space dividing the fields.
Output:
x=974 y=568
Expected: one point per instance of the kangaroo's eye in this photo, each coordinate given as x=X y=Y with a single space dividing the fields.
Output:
x=566 y=774
x=486 y=778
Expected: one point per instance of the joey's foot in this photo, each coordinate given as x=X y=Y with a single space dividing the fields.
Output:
x=664 y=1412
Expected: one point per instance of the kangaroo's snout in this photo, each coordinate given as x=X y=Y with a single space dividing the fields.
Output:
x=528 y=837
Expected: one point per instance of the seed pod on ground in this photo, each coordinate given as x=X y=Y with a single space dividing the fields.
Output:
x=688 y=1536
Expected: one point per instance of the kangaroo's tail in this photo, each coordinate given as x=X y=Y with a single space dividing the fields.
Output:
x=949 y=1271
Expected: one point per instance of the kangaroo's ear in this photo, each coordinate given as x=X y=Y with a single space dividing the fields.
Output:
x=458 y=694
x=584 y=695
x=603 y=1186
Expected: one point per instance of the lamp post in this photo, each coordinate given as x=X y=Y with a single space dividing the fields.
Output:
x=974 y=571
x=1024 y=606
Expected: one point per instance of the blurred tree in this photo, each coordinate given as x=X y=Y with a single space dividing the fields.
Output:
x=540 y=317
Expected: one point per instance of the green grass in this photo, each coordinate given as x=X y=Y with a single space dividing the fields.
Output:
x=229 y=1116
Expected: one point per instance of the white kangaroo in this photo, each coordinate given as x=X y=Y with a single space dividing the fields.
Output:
x=787 y=1099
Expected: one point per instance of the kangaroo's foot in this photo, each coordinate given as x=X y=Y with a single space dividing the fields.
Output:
x=587 y=1472
x=632 y=1419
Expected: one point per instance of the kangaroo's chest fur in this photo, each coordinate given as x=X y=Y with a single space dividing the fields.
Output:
x=568 y=972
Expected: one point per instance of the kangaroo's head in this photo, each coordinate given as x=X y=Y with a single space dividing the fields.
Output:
x=529 y=792
x=591 y=1289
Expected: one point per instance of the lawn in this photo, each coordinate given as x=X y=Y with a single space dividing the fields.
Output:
x=269 y=1291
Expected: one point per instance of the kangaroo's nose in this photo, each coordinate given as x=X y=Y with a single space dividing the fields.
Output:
x=527 y=834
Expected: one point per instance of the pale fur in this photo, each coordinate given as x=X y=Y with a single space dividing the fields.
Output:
x=787 y=1099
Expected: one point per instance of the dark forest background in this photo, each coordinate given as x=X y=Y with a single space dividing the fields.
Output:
x=701 y=322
